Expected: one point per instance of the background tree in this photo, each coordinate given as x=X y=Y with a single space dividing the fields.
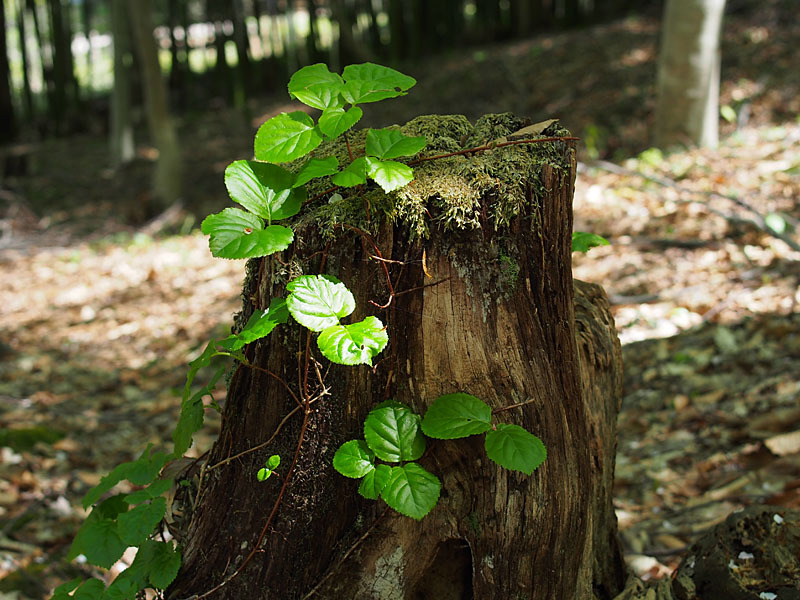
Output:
x=7 y=123
x=688 y=73
x=167 y=176
x=121 y=139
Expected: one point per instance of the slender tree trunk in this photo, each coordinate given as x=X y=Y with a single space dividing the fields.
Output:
x=484 y=311
x=27 y=95
x=121 y=141
x=8 y=124
x=242 y=41
x=167 y=177
x=312 y=40
x=688 y=74
x=87 y=13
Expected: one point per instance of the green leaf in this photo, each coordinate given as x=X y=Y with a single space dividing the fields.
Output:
x=393 y=434
x=513 y=447
x=259 y=325
x=141 y=471
x=63 y=591
x=285 y=137
x=136 y=525
x=318 y=302
x=191 y=417
x=369 y=82
x=263 y=474
x=91 y=589
x=411 y=490
x=165 y=561
x=354 y=344
x=154 y=490
x=274 y=461
x=583 y=242
x=354 y=459
x=316 y=167
x=264 y=189
x=316 y=86
x=456 y=416
x=776 y=222
x=373 y=483
x=239 y=234
x=388 y=174
x=335 y=121
x=354 y=174
x=391 y=143
x=124 y=587
x=99 y=541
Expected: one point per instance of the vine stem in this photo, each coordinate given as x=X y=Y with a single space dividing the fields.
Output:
x=511 y=406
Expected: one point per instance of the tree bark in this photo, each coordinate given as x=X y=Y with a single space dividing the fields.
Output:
x=484 y=305
x=167 y=176
x=687 y=112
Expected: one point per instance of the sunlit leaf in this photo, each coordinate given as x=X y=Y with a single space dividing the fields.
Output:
x=259 y=325
x=316 y=86
x=456 y=416
x=393 y=434
x=335 y=121
x=388 y=174
x=391 y=143
x=354 y=344
x=318 y=302
x=369 y=82
x=285 y=137
x=411 y=490
x=373 y=483
x=513 y=447
x=354 y=459
x=236 y=233
x=316 y=167
x=264 y=189
x=583 y=242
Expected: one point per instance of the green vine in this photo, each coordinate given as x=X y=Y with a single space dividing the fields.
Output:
x=270 y=195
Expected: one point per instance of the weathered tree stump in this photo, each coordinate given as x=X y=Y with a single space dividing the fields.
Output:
x=481 y=302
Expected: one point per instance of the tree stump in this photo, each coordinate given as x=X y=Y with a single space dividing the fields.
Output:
x=478 y=254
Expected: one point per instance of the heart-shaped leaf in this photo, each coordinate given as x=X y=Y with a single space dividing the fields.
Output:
x=411 y=490
x=354 y=174
x=259 y=325
x=354 y=344
x=391 y=143
x=456 y=416
x=369 y=82
x=316 y=86
x=239 y=234
x=374 y=481
x=318 y=302
x=392 y=432
x=354 y=459
x=285 y=137
x=513 y=447
x=316 y=167
x=264 y=189
x=137 y=525
x=335 y=121
x=388 y=174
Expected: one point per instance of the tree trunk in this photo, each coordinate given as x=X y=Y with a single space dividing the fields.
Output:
x=167 y=177
x=121 y=141
x=482 y=303
x=8 y=122
x=688 y=74
x=27 y=94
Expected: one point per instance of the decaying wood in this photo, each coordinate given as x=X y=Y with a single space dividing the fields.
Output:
x=508 y=336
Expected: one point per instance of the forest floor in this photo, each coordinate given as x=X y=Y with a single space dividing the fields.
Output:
x=98 y=318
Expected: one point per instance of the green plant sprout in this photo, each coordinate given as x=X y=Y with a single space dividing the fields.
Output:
x=270 y=194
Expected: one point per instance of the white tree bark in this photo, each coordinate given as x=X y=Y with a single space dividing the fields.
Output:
x=688 y=74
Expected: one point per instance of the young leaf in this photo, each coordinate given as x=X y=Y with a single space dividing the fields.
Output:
x=393 y=434
x=259 y=325
x=285 y=137
x=264 y=189
x=274 y=461
x=316 y=86
x=354 y=174
x=317 y=302
x=369 y=82
x=583 y=242
x=239 y=234
x=513 y=447
x=373 y=483
x=411 y=490
x=136 y=525
x=335 y=121
x=354 y=459
x=390 y=143
x=354 y=344
x=264 y=473
x=316 y=167
x=388 y=174
x=456 y=416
